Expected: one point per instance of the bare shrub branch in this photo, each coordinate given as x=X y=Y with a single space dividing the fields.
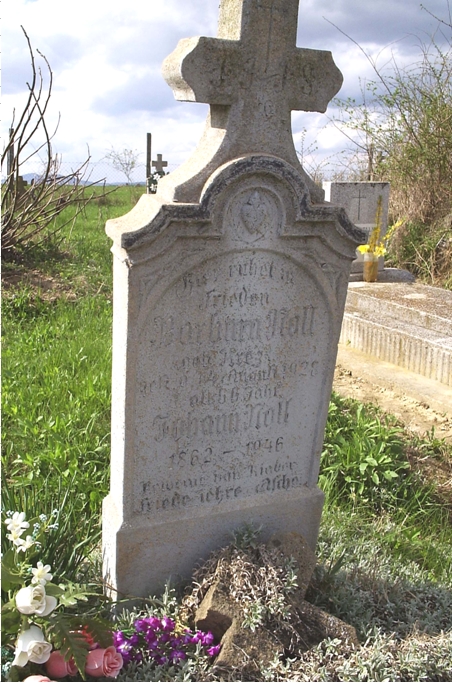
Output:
x=29 y=211
x=403 y=127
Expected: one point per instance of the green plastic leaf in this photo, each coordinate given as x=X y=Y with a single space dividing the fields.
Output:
x=53 y=589
x=15 y=674
x=66 y=636
x=99 y=629
x=72 y=594
x=11 y=620
x=9 y=559
x=9 y=606
x=10 y=577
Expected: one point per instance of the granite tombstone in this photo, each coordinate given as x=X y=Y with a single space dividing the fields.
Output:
x=229 y=290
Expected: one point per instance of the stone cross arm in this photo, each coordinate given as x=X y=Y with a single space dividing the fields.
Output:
x=252 y=75
x=255 y=53
x=212 y=71
x=159 y=164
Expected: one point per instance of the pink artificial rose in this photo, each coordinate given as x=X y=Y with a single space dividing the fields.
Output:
x=37 y=678
x=58 y=668
x=104 y=662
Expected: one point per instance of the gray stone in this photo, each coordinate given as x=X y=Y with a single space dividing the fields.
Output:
x=406 y=324
x=227 y=313
x=240 y=647
x=159 y=164
x=304 y=626
x=388 y=275
x=252 y=76
x=360 y=200
x=295 y=545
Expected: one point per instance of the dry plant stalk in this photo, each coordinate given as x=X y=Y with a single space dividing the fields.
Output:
x=29 y=210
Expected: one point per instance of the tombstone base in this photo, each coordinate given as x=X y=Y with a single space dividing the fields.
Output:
x=136 y=554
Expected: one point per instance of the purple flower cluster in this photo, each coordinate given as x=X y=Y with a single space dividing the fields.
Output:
x=155 y=638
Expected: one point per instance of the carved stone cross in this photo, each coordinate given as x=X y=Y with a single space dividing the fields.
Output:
x=230 y=286
x=356 y=205
x=253 y=76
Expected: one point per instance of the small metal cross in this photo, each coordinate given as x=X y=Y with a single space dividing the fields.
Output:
x=159 y=164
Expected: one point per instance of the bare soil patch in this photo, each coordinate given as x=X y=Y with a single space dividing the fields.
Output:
x=414 y=413
x=41 y=285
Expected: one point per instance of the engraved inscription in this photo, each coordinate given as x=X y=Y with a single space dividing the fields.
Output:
x=256 y=415
x=306 y=84
x=282 y=322
x=189 y=491
x=228 y=380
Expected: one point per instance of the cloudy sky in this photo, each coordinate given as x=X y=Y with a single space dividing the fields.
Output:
x=106 y=57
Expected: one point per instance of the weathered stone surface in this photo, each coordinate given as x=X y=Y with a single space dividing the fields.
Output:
x=314 y=625
x=225 y=334
x=252 y=76
x=240 y=647
x=226 y=315
x=408 y=325
x=295 y=545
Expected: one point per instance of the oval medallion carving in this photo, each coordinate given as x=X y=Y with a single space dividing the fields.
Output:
x=253 y=214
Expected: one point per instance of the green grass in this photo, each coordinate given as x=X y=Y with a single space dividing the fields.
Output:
x=56 y=374
x=384 y=549
x=56 y=392
x=366 y=468
x=425 y=250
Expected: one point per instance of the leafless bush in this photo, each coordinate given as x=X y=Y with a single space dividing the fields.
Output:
x=401 y=130
x=30 y=210
x=125 y=161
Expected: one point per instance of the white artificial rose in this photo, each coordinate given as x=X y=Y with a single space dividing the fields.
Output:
x=33 y=600
x=31 y=646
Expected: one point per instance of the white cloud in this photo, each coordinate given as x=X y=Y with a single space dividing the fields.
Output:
x=106 y=59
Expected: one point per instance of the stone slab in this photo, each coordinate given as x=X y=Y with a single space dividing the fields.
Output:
x=408 y=325
x=415 y=303
x=389 y=275
x=229 y=290
x=226 y=321
x=400 y=381
x=146 y=555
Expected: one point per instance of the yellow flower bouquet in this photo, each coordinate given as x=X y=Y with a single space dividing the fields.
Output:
x=375 y=245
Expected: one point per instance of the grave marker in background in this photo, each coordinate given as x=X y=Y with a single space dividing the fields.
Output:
x=227 y=311
x=159 y=164
x=360 y=200
x=148 y=161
